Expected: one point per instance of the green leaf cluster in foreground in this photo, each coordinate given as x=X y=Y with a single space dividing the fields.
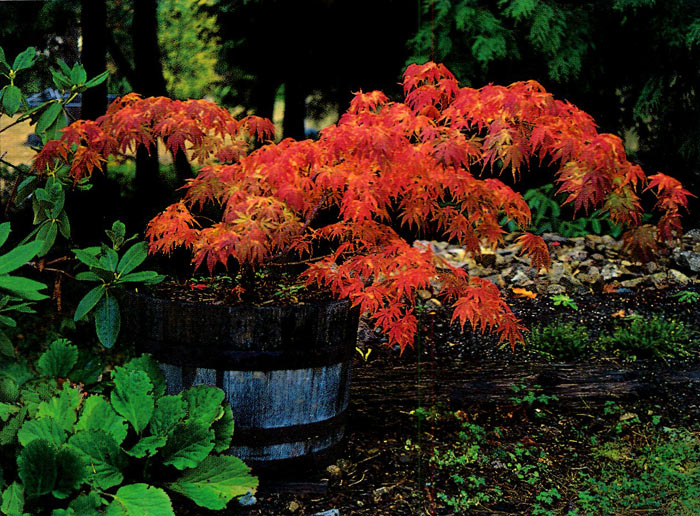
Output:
x=65 y=451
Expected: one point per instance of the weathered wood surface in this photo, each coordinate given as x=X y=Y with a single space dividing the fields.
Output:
x=461 y=385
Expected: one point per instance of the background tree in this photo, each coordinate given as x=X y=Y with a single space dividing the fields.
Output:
x=632 y=64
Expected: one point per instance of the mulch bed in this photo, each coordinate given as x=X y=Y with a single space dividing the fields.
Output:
x=381 y=470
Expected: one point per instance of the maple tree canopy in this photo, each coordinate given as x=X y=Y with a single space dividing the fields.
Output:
x=416 y=163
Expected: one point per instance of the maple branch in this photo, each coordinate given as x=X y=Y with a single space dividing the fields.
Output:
x=311 y=216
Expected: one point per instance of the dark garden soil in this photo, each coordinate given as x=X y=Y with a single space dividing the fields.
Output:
x=403 y=411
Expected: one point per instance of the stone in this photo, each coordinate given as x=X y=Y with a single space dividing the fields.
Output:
x=555 y=290
x=689 y=260
x=693 y=235
x=678 y=277
x=424 y=294
x=247 y=500
x=553 y=237
x=520 y=279
x=557 y=271
x=590 y=276
x=488 y=259
x=632 y=283
x=610 y=271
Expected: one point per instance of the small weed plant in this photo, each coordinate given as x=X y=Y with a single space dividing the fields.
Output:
x=636 y=337
x=646 y=338
x=632 y=464
x=564 y=300
x=687 y=296
x=559 y=341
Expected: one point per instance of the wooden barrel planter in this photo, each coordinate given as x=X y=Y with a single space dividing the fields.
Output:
x=285 y=369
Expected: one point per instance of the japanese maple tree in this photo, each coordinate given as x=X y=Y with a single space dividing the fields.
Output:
x=416 y=164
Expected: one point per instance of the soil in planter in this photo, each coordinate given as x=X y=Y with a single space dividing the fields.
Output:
x=268 y=286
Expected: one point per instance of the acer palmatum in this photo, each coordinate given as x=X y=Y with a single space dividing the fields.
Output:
x=415 y=164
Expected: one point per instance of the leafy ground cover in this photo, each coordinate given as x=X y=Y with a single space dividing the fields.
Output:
x=414 y=448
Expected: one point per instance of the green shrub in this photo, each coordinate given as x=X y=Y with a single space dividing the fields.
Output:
x=655 y=337
x=659 y=476
x=68 y=453
x=560 y=341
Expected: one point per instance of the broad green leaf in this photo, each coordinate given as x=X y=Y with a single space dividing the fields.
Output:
x=54 y=130
x=97 y=80
x=169 y=411
x=148 y=365
x=13 y=499
x=36 y=468
x=7 y=410
x=134 y=257
x=147 y=446
x=58 y=360
x=88 y=369
x=62 y=512
x=223 y=430
x=47 y=236
x=7 y=321
x=88 y=276
x=204 y=403
x=215 y=481
x=102 y=456
x=64 y=225
x=25 y=188
x=23 y=287
x=87 y=257
x=18 y=257
x=188 y=444
x=64 y=67
x=132 y=397
x=86 y=504
x=140 y=500
x=25 y=59
x=6 y=347
x=48 y=117
x=45 y=428
x=4 y=232
x=109 y=259
x=3 y=60
x=117 y=233
x=88 y=302
x=71 y=472
x=15 y=375
x=60 y=80
x=77 y=74
x=62 y=408
x=148 y=277
x=107 y=320
x=8 y=433
x=11 y=99
x=97 y=414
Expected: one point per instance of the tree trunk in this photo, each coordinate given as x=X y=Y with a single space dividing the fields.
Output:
x=151 y=193
x=294 y=110
x=94 y=211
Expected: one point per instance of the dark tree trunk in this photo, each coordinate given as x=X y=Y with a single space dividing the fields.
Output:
x=151 y=194
x=93 y=23
x=94 y=211
x=147 y=64
x=294 y=110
